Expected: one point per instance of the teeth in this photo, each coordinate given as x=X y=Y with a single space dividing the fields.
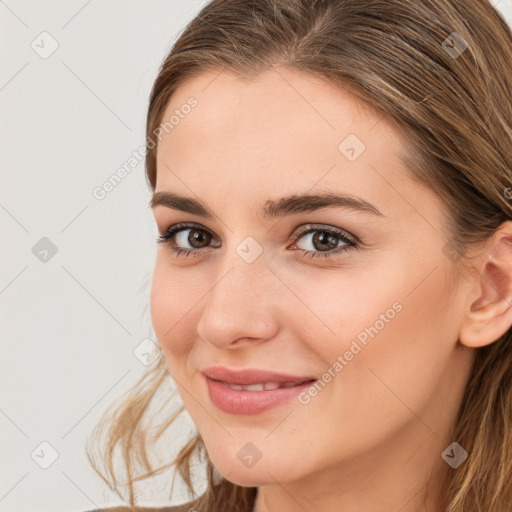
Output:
x=252 y=387
x=267 y=386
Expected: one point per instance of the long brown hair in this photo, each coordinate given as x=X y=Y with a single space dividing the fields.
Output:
x=441 y=71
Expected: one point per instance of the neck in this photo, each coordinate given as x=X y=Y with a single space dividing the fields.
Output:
x=399 y=476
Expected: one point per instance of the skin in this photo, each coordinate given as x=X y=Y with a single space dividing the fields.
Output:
x=370 y=440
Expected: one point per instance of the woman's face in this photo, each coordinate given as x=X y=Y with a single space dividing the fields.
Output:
x=376 y=324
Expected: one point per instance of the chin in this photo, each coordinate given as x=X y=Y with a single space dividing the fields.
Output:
x=249 y=478
x=261 y=473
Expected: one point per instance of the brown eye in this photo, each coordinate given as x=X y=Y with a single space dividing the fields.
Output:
x=322 y=242
x=186 y=239
x=197 y=238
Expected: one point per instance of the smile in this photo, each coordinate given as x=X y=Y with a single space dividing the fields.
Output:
x=252 y=399
x=266 y=386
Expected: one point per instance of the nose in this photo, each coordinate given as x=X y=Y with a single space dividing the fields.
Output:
x=241 y=307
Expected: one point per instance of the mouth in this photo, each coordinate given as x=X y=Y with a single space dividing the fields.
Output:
x=252 y=392
x=251 y=376
x=264 y=386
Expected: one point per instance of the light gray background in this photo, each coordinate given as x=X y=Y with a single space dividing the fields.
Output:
x=70 y=324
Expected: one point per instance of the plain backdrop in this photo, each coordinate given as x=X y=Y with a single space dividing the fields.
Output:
x=76 y=270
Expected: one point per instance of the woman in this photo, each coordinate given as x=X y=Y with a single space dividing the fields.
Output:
x=332 y=187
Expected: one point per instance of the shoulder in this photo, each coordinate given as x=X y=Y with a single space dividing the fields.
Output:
x=186 y=507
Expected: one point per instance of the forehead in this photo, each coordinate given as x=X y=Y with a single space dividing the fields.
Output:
x=283 y=132
x=281 y=102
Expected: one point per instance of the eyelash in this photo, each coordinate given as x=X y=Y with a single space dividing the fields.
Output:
x=166 y=237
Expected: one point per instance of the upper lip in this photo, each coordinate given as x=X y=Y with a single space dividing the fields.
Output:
x=251 y=376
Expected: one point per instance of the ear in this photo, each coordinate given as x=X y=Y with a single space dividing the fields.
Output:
x=488 y=313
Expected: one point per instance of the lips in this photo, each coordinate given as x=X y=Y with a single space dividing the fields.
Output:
x=251 y=377
x=265 y=386
x=252 y=391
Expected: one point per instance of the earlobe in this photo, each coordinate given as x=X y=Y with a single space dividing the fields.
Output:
x=488 y=312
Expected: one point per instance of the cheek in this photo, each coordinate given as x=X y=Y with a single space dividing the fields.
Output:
x=172 y=308
x=389 y=327
x=403 y=360
x=336 y=310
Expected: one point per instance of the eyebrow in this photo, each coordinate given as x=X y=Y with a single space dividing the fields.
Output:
x=273 y=208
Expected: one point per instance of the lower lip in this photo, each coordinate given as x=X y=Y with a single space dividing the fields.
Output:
x=233 y=401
